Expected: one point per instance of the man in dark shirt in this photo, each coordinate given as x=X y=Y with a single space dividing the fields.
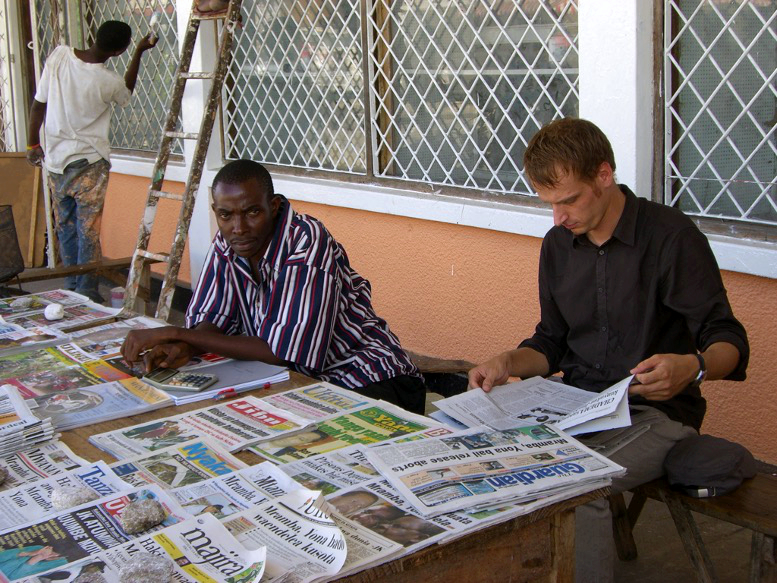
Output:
x=627 y=286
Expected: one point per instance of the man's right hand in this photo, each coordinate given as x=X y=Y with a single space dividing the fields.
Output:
x=35 y=156
x=170 y=355
x=491 y=373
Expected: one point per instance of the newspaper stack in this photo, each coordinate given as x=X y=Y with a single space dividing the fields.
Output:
x=480 y=467
x=19 y=428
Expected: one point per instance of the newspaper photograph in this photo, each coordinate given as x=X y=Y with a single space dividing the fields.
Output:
x=303 y=542
x=370 y=424
x=104 y=402
x=38 y=463
x=103 y=342
x=333 y=471
x=318 y=401
x=75 y=534
x=226 y=495
x=188 y=463
x=234 y=425
x=201 y=550
x=482 y=467
x=381 y=510
x=365 y=548
x=539 y=400
x=15 y=339
x=33 y=501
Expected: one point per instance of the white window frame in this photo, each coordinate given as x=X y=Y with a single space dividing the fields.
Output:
x=617 y=49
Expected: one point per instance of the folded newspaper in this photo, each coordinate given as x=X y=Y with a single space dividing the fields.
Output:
x=191 y=462
x=482 y=467
x=235 y=425
x=303 y=542
x=38 y=463
x=33 y=501
x=366 y=425
x=200 y=549
x=540 y=400
x=75 y=534
x=318 y=401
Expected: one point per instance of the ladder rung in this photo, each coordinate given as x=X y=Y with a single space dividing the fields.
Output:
x=188 y=75
x=183 y=135
x=210 y=15
x=168 y=195
x=163 y=257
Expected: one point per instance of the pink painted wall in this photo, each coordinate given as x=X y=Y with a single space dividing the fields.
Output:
x=124 y=206
x=459 y=292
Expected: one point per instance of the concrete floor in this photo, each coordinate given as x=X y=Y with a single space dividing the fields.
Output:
x=662 y=558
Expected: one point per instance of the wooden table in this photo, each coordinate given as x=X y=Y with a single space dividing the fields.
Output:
x=534 y=548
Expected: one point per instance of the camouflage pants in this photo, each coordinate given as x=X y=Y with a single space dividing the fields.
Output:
x=78 y=196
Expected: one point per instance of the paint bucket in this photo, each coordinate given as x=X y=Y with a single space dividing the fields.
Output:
x=117 y=297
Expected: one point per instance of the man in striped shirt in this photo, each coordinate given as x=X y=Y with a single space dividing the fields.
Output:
x=277 y=287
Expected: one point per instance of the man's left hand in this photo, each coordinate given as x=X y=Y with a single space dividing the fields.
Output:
x=662 y=376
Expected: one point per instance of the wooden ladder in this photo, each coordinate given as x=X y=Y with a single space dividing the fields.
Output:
x=142 y=257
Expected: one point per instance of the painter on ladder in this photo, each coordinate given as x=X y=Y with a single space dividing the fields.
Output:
x=74 y=98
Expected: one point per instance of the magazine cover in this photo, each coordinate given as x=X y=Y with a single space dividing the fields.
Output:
x=90 y=405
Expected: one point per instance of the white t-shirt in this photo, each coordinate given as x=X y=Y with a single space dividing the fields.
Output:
x=78 y=112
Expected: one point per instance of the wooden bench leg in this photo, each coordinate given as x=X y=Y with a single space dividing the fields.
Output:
x=621 y=529
x=692 y=541
x=763 y=559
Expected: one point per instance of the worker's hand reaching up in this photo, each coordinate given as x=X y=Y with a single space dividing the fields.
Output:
x=35 y=156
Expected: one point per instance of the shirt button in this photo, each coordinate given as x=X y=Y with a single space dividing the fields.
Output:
x=601 y=251
x=604 y=328
x=600 y=290
x=597 y=366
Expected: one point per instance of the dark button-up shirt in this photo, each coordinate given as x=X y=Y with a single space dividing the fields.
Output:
x=653 y=288
x=309 y=305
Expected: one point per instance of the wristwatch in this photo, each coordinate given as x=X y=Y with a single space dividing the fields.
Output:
x=702 y=371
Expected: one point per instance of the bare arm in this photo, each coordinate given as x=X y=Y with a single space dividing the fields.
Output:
x=662 y=376
x=37 y=116
x=521 y=362
x=171 y=346
x=131 y=76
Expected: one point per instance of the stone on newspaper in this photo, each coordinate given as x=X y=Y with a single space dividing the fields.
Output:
x=54 y=312
x=141 y=515
x=66 y=497
x=22 y=303
x=147 y=568
x=90 y=578
x=3 y=474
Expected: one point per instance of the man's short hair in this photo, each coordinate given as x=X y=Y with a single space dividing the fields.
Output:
x=113 y=35
x=240 y=171
x=566 y=146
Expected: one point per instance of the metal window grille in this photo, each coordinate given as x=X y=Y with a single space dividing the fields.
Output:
x=721 y=108
x=456 y=89
x=294 y=94
x=7 y=123
x=461 y=87
x=138 y=126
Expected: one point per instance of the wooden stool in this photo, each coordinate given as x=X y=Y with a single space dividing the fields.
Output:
x=753 y=505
